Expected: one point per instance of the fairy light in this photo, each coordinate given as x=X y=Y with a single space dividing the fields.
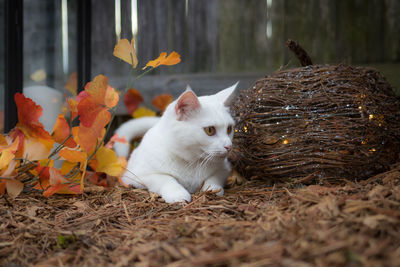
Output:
x=285 y=142
x=371 y=116
x=360 y=107
x=372 y=150
x=363 y=142
x=245 y=129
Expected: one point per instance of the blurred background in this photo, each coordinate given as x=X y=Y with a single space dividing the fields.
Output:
x=68 y=42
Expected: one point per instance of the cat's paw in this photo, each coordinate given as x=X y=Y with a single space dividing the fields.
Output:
x=219 y=190
x=177 y=195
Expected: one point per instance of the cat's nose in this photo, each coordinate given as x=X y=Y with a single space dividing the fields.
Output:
x=228 y=148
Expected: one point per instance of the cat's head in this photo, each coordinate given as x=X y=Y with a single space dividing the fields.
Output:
x=203 y=125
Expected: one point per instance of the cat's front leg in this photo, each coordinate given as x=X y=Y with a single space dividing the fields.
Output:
x=168 y=187
x=215 y=183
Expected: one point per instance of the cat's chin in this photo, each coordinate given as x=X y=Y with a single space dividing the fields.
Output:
x=221 y=156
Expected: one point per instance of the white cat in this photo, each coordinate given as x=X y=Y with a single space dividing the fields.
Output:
x=184 y=149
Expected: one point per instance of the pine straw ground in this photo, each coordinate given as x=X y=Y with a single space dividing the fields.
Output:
x=353 y=224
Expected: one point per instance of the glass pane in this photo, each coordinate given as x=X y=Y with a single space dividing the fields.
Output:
x=2 y=64
x=224 y=41
x=49 y=54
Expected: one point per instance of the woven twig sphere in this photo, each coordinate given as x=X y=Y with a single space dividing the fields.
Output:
x=317 y=122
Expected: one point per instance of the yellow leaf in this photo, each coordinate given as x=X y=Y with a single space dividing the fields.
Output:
x=143 y=112
x=108 y=162
x=10 y=170
x=14 y=187
x=72 y=84
x=125 y=50
x=163 y=59
x=5 y=158
x=39 y=75
x=7 y=151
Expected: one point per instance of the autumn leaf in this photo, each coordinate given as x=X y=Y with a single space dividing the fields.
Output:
x=61 y=132
x=73 y=156
x=125 y=50
x=163 y=59
x=14 y=187
x=114 y=139
x=28 y=117
x=108 y=162
x=53 y=181
x=73 y=108
x=33 y=131
x=88 y=137
x=143 y=112
x=99 y=97
x=10 y=172
x=132 y=100
x=7 y=150
x=162 y=101
x=59 y=184
x=98 y=179
x=72 y=84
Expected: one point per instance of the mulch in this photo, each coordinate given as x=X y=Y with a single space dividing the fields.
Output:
x=352 y=223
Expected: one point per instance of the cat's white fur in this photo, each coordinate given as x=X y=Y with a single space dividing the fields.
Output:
x=176 y=156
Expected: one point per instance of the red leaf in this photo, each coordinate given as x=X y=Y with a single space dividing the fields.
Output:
x=61 y=131
x=132 y=100
x=33 y=130
x=28 y=117
x=99 y=97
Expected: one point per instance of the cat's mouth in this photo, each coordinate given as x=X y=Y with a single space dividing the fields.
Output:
x=217 y=154
x=221 y=155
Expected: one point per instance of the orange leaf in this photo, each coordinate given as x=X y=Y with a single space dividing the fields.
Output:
x=14 y=187
x=73 y=107
x=115 y=138
x=72 y=84
x=87 y=137
x=132 y=100
x=74 y=156
x=59 y=184
x=172 y=59
x=162 y=101
x=61 y=132
x=125 y=50
x=99 y=97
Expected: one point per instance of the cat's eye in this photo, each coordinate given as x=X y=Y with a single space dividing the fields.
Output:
x=229 y=130
x=210 y=130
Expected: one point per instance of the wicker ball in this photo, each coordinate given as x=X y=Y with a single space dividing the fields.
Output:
x=317 y=122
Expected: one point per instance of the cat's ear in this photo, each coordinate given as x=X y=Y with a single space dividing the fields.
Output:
x=227 y=95
x=186 y=104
